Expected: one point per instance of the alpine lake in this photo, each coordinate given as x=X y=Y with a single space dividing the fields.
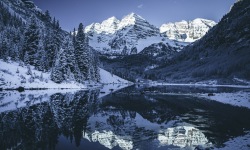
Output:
x=135 y=117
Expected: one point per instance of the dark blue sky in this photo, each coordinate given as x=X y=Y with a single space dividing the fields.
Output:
x=71 y=12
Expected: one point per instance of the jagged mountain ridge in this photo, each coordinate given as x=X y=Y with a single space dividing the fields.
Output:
x=187 y=31
x=128 y=36
x=113 y=36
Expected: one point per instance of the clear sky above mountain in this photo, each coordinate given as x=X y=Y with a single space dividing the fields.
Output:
x=71 y=12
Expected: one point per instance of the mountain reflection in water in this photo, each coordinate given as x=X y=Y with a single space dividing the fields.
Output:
x=117 y=121
x=181 y=136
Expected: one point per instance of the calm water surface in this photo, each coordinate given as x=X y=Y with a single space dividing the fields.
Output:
x=132 y=118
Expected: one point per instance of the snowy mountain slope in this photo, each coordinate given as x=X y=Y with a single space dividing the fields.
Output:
x=12 y=75
x=128 y=36
x=187 y=31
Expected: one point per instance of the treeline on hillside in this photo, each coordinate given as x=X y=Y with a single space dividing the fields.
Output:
x=39 y=41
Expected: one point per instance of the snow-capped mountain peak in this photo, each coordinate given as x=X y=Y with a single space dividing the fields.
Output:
x=132 y=34
x=133 y=16
x=187 y=31
x=114 y=36
x=111 y=20
x=112 y=24
x=130 y=19
x=108 y=26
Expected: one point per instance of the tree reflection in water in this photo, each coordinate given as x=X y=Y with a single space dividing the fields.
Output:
x=39 y=126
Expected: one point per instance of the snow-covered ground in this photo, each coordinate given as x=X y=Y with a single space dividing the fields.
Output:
x=238 y=143
x=240 y=98
x=12 y=76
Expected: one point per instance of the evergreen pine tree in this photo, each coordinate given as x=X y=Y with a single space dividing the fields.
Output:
x=125 y=50
x=50 y=48
x=60 y=71
x=70 y=54
x=56 y=73
x=74 y=38
x=42 y=64
x=4 y=50
x=26 y=58
x=47 y=16
x=82 y=53
x=41 y=77
x=54 y=22
x=57 y=39
x=31 y=41
x=29 y=72
x=57 y=25
x=133 y=51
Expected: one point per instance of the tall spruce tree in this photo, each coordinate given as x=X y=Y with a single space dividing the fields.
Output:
x=58 y=70
x=47 y=16
x=31 y=41
x=70 y=53
x=50 y=47
x=4 y=49
x=65 y=64
x=74 y=38
x=82 y=53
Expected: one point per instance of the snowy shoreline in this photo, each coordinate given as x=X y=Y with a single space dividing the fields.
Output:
x=195 y=84
x=14 y=76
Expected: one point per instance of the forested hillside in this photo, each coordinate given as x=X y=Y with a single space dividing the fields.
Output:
x=31 y=37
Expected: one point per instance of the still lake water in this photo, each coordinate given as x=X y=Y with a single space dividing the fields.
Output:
x=131 y=118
